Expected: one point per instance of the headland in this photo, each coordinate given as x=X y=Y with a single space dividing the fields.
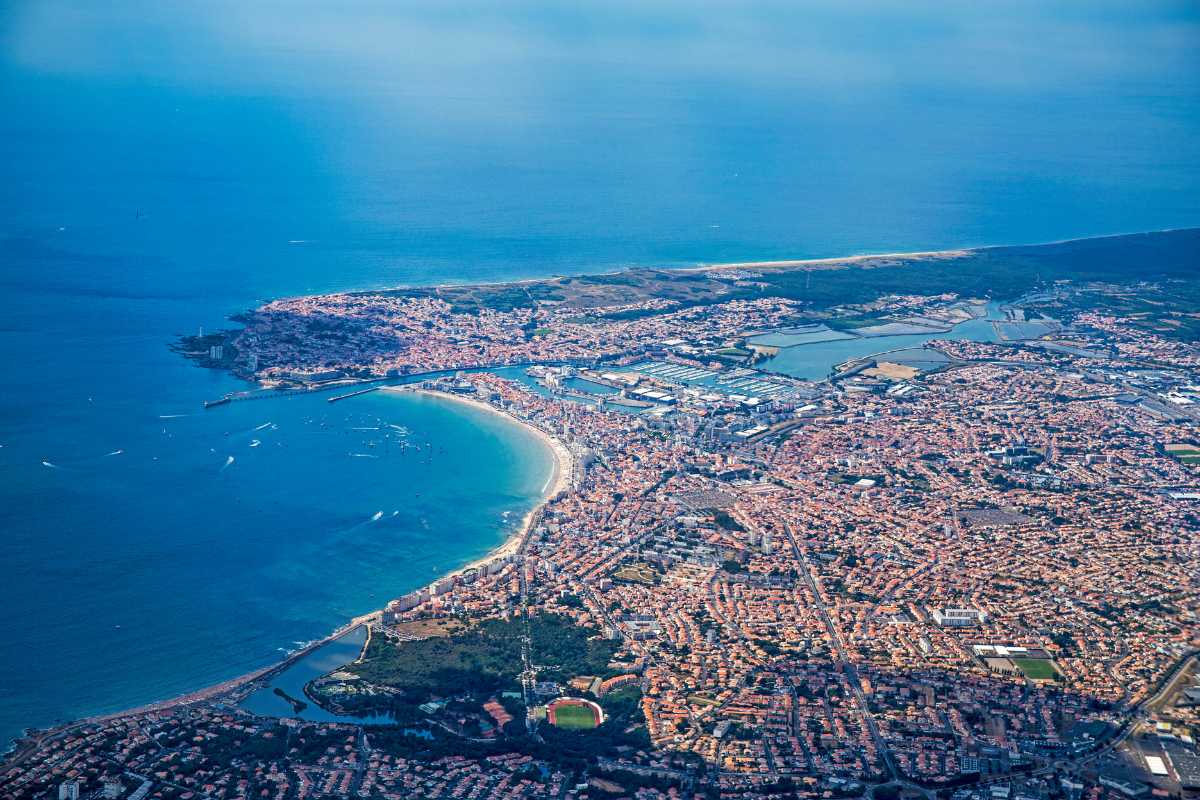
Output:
x=765 y=582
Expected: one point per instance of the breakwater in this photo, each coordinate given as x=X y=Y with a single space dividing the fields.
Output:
x=234 y=397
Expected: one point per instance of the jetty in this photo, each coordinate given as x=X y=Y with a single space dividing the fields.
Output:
x=352 y=394
x=237 y=397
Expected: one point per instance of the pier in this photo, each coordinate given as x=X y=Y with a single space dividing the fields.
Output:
x=233 y=398
x=352 y=394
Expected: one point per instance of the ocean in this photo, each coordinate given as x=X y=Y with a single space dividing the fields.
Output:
x=165 y=165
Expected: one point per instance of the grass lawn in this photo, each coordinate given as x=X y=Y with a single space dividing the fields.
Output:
x=1185 y=453
x=1036 y=668
x=638 y=574
x=572 y=717
x=431 y=627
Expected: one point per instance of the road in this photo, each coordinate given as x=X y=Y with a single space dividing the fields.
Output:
x=1135 y=715
x=851 y=673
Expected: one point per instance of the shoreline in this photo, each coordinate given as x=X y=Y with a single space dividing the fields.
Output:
x=33 y=738
x=559 y=480
x=925 y=255
x=832 y=262
x=18 y=749
x=517 y=540
x=841 y=261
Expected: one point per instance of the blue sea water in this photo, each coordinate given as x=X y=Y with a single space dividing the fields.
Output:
x=163 y=165
x=163 y=546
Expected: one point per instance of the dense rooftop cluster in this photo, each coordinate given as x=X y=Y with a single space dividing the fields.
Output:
x=186 y=754
x=351 y=333
x=845 y=538
x=987 y=571
x=1092 y=568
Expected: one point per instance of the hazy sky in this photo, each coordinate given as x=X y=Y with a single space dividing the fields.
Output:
x=605 y=133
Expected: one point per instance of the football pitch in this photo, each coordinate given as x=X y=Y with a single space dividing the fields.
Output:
x=1037 y=669
x=573 y=717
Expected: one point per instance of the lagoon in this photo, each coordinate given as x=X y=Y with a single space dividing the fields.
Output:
x=338 y=653
x=815 y=362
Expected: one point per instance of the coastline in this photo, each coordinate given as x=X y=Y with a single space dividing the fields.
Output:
x=559 y=481
x=834 y=262
x=843 y=261
x=515 y=542
x=925 y=255
x=22 y=747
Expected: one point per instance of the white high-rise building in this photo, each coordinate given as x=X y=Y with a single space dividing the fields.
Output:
x=68 y=790
x=958 y=616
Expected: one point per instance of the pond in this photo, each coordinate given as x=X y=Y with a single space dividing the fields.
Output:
x=341 y=651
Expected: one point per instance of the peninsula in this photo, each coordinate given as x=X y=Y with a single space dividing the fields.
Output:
x=958 y=569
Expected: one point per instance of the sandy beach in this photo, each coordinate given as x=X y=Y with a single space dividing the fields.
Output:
x=558 y=482
x=879 y=260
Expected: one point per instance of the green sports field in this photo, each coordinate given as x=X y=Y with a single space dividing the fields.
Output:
x=572 y=717
x=1036 y=668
